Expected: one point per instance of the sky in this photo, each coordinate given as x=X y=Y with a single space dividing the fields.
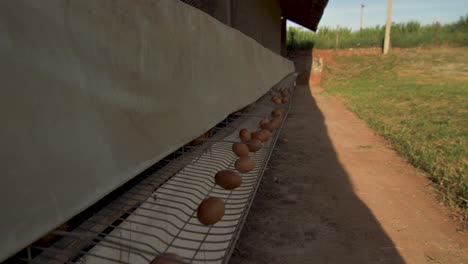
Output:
x=347 y=12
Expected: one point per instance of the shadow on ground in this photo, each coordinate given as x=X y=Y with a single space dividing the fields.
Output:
x=306 y=210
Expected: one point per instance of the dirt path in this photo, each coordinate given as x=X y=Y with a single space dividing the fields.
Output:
x=336 y=193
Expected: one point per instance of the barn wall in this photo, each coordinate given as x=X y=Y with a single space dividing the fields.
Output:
x=260 y=20
x=94 y=92
x=219 y=9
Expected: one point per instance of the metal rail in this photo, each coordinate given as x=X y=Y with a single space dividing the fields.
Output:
x=158 y=214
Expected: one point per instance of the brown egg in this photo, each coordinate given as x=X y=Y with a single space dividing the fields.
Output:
x=284 y=93
x=257 y=135
x=240 y=149
x=211 y=210
x=167 y=258
x=244 y=135
x=264 y=121
x=228 y=179
x=277 y=119
x=254 y=145
x=285 y=100
x=244 y=164
x=262 y=135
x=277 y=100
x=266 y=134
x=276 y=122
x=278 y=112
x=269 y=126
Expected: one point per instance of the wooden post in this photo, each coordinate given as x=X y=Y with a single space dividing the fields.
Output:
x=388 y=27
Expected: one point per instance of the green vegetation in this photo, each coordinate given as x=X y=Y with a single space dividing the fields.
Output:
x=404 y=35
x=418 y=100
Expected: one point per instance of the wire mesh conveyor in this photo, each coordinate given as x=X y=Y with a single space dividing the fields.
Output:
x=158 y=214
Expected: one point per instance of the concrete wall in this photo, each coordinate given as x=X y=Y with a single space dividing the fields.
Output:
x=260 y=20
x=94 y=92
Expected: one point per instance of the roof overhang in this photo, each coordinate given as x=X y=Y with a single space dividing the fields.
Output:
x=306 y=13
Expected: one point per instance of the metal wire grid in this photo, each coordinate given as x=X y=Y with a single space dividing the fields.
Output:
x=159 y=214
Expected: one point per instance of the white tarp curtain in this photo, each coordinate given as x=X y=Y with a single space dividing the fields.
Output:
x=94 y=92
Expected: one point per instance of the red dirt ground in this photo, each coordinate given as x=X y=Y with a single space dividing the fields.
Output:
x=335 y=192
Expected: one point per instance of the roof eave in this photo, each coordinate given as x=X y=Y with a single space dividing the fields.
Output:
x=306 y=13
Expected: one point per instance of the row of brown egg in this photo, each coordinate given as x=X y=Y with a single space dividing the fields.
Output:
x=211 y=210
x=281 y=96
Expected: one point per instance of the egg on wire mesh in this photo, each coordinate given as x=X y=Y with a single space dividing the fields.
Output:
x=276 y=122
x=228 y=179
x=240 y=149
x=278 y=112
x=264 y=122
x=244 y=164
x=210 y=211
x=244 y=135
x=254 y=145
x=268 y=126
x=275 y=99
x=263 y=135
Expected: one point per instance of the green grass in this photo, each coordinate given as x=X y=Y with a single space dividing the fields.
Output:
x=418 y=100
x=404 y=35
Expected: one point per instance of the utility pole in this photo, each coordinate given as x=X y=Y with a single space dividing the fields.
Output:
x=388 y=27
x=337 y=41
x=362 y=16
